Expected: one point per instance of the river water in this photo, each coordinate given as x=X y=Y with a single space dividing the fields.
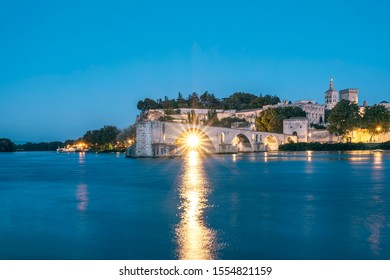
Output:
x=248 y=206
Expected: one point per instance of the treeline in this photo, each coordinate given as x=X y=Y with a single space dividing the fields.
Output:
x=346 y=117
x=106 y=138
x=6 y=145
x=109 y=137
x=315 y=146
x=236 y=101
x=42 y=146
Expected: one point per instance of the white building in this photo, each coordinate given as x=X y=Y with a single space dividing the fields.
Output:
x=385 y=104
x=331 y=96
x=315 y=113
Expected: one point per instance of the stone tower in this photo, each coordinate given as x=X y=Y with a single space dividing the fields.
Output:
x=350 y=94
x=331 y=96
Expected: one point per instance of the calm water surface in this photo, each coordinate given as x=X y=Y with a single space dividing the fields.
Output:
x=248 y=206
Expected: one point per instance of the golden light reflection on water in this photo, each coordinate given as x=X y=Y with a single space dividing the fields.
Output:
x=195 y=240
x=378 y=162
x=81 y=157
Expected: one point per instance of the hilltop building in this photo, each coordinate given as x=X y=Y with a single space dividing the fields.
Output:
x=315 y=113
x=350 y=94
x=331 y=96
x=385 y=104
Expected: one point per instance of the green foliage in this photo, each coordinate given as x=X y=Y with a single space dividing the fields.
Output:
x=194 y=101
x=343 y=118
x=315 y=146
x=127 y=136
x=42 y=146
x=236 y=101
x=104 y=136
x=6 y=145
x=271 y=120
x=227 y=122
x=193 y=117
x=318 y=126
x=165 y=118
x=242 y=101
x=212 y=118
x=327 y=112
x=147 y=104
x=376 y=119
x=208 y=100
x=385 y=145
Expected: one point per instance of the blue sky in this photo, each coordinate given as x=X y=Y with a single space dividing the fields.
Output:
x=67 y=67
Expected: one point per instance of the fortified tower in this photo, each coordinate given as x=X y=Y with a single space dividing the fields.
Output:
x=350 y=94
x=331 y=96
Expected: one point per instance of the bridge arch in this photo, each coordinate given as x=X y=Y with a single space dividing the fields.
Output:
x=289 y=140
x=242 y=142
x=271 y=143
x=191 y=139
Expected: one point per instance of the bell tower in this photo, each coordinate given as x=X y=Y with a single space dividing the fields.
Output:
x=331 y=96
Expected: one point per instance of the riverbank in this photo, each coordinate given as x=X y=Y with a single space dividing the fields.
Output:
x=333 y=146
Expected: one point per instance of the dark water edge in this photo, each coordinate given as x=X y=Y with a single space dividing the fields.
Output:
x=286 y=205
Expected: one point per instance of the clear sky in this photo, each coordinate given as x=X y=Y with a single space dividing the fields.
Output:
x=71 y=66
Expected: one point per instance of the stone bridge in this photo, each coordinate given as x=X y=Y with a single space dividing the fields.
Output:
x=159 y=139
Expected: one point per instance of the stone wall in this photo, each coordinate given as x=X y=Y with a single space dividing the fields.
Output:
x=321 y=136
x=298 y=127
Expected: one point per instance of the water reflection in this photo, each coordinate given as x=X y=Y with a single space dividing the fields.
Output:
x=378 y=163
x=82 y=197
x=195 y=240
x=375 y=226
x=81 y=157
x=309 y=155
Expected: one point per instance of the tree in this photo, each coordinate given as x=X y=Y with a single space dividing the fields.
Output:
x=6 y=145
x=193 y=117
x=109 y=134
x=212 y=117
x=127 y=136
x=243 y=100
x=343 y=118
x=106 y=136
x=271 y=120
x=267 y=121
x=193 y=100
x=181 y=102
x=209 y=101
x=376 y=120
x=147 y=103
x=240 y=101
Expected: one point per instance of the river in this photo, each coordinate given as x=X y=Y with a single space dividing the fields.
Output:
x=306 y=205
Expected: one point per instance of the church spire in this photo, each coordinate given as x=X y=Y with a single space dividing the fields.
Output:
x=331 y=85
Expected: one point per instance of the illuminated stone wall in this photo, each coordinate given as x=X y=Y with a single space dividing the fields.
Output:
x=298 y=127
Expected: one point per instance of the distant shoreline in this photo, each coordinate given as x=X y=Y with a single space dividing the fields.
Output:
x=333 y=147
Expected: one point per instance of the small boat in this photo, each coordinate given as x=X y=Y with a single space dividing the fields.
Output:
x=378 y=151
